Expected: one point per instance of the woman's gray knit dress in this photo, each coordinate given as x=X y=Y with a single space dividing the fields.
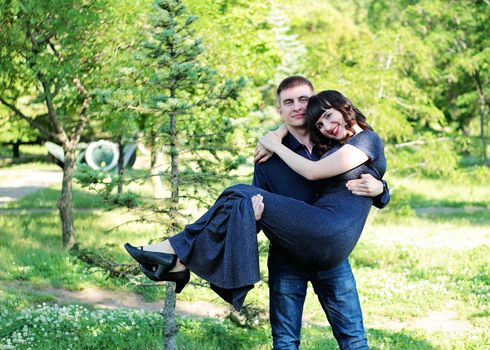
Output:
x=221 y=246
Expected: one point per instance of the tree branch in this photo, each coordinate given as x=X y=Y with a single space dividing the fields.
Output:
x=417 y=142
x=143 y=109
x=56 y=53
x=31 y=121
x=53 y=116
x=83 y=113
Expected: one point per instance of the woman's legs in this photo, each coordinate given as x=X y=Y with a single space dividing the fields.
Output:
x=298 y=227
x=221 y=246
x=166 y=247
x=305 y=231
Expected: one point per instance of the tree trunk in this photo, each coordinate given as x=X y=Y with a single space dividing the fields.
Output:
x=481 y=110
x=170 y=328
x=65 y=204
x=120 y=166
x=15 y=150
x=156 y=161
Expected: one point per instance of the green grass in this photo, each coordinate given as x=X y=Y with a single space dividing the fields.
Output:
x=39 y=164
x=31 y=156
x=409 y=268
x=462 y=191
x=47 y=198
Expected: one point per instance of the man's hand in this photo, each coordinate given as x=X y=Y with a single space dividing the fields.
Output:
x=367 y=185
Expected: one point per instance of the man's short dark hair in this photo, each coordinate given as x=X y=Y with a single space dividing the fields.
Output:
x=293 y=81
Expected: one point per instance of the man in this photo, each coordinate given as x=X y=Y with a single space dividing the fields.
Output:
x=336 y=287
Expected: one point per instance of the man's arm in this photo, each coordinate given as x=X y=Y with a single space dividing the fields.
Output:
x=369 y=186
x=260 y=179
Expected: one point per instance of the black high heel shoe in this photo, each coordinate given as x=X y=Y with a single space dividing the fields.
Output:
x=164 y=261
x=181 y=278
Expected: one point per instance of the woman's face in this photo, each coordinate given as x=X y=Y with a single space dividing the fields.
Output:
x=332 y=125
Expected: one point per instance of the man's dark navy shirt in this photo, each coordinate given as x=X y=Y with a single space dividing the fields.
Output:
x=277 y=177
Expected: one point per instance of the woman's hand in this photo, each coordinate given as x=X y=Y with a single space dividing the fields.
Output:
x=271 y=140
x=264 y=152
x=261 y=154
x=282 y=131
x=258 y=206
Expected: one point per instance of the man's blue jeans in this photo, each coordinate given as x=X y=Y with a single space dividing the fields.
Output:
x=336 y=291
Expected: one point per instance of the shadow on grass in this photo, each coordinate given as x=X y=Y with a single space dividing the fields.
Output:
x=26 y=158
x=216 y=334
x=407 y=216
x=383 y=339
x=420 y=201
x=224 y=335
x=316 y=338
x=472 y=218
x=48 y=198
x=17 y=299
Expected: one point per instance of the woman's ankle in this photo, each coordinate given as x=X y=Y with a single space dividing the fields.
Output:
x=178 y=267
x=160 y=247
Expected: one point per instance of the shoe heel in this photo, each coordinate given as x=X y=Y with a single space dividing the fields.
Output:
x=182 y=281
x=161 y=270
x=181 y=278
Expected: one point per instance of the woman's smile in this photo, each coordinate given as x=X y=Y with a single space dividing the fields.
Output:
x=334 y=131
x=332 y=124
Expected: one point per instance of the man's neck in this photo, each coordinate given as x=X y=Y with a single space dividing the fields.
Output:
x=302 y=135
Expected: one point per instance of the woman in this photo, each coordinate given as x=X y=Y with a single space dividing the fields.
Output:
x=221 y=246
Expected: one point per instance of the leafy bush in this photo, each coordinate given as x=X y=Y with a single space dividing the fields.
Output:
x=433 y=158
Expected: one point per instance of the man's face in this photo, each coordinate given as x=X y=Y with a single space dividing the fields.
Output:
x=293 y=103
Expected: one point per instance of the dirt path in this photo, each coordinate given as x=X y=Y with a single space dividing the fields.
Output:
x=18 y=183
x=442 y=320
x=111 y=300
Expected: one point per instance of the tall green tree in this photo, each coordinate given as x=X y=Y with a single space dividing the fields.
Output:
x=455 y=34
x=240 y=40
x=375 y=69
x=56 y=53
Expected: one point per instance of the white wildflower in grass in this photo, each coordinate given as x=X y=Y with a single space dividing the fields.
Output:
x=75 y=327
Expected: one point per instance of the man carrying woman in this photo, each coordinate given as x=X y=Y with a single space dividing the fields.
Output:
x=221 y=246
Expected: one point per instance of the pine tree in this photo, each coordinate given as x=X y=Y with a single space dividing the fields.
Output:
x=186 y=112
x=181 y=86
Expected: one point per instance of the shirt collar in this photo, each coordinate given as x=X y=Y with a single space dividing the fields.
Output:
x=293 y=144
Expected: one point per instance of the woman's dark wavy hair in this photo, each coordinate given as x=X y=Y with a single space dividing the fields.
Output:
x=319 y=103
